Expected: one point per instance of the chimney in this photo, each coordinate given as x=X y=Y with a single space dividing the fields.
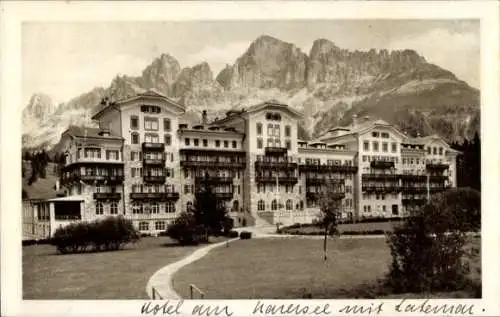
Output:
x=204 y=117
x=354 y=120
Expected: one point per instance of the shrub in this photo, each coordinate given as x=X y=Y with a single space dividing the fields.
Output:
x=245 y=235
x=106 y=234
x=232 y=234
x=185 y=230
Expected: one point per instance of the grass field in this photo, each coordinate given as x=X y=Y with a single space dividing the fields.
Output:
x=287 y=268
x=356 y=227
x=106 y=275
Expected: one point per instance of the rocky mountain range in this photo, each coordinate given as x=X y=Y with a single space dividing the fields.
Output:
x=328 y=85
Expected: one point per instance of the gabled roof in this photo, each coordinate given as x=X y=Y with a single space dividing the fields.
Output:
x=361 y=128
x=86 y=132
x=273 y=103
x=150 y=93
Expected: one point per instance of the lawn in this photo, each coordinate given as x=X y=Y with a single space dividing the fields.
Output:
x=347 y=228
x=287 y=268
x=106 y=275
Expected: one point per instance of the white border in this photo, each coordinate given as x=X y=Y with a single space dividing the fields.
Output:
x=12 y=14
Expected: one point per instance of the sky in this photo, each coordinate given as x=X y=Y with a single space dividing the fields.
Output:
x=65 y=59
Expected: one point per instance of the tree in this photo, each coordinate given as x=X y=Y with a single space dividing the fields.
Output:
x=208 y=210
x=330 y=202
x=428 y=249
x=184 y=229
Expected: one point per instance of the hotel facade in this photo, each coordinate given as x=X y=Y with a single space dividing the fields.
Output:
x=144 y=164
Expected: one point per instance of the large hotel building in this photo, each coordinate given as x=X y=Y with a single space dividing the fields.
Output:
x=144 y=164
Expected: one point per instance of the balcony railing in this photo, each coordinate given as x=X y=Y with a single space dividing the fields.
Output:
x=279 y=165
x=322 y=180
x=226 y=195
x=207 y=164
x=413 y=177
x=436 y=166
x=328 y=168
x=153 y=146
x=381 y=189
x=215 y=179
x=154 y=178
x=414 y=201
x=160 y=161
x=155 y=196
x=107 y=196
x=413 y=189
x=272 y=179
x=98 y=179
x=275 y=150
x=382 y=164
x=316 y=196
x=381 y=176
x=438 y=178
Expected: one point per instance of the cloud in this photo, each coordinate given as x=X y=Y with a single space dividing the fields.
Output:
x=456 y=52
x=218 y=56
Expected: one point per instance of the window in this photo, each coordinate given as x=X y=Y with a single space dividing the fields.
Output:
x=385 y=135
x=375 y=146
x=186 y=141
x=428 y=150
x=287 y=131
x=375 y=134
x=235 y=145
x=288 y=145
x=196 y=142
x=301 y=205
x=217 y=143
x=440 y=151
x=111 y=154
x=136 y=208
x=134 y=122
x=289 y=204
x=114 y=208
x=170 y=207
x=394 y=147
x=269 y=130
x=166 y=124
x=226 y=143
x=236 y=205
x=205 y=142
x=259 y=143
x=151 y=138
x=99 y=209
x=274 y=205
x=143 y=226
x=385 y=147
x=259 y=128
x=434 y=150
x=151 y=124
x=160 y=225
x=189 y=206
x=277 y=130
x=167 y=139
x=155 y=208
x=366 y=146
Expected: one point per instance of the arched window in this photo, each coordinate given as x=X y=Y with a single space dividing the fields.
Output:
x=99 y=209
x=155 y=208
x=274 y=205
x=289 y=204
x=137 y=208
x=170 y=207
x=236 y=205
x=143 y=226
x=114 y=208
x=301 y=205
x=261 y=205
x=189 y=206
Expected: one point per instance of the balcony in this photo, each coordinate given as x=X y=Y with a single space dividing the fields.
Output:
x=413 y=177
x=154 y=178
x=275 y=150
x=436 y=166
x=224 y=196
x=97 y=179
x=160 y=161
x=389 y=177
x=413 y=189
x=382 y=164
x=153 y=146
x=322 y=180
x=381 y=189
x=438 y=189
x=215 y=179
x=155 y=196
x=275 y=165
x=107 y=196
x=328 y=168
x=281 y=179
x=438 y=178
x=212 y=164
x=316 y=196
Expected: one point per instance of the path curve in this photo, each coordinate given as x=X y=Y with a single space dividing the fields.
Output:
x=162 y=280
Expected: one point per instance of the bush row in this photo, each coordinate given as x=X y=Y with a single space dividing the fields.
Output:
x=320 y=233
x=345 y=221
x=106 y=234
x=245 y=235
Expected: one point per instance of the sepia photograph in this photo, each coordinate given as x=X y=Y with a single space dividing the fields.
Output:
x=249 y=159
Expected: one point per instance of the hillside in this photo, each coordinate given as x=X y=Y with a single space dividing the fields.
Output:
x=43 y=188
x=328 y=85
